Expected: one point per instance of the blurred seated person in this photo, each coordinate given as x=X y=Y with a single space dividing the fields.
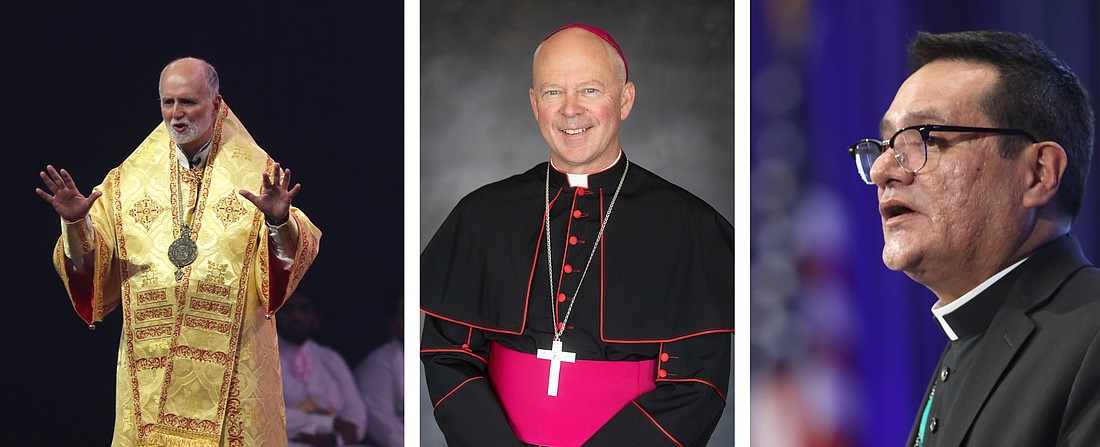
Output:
x=322 y=404
x=381 y=379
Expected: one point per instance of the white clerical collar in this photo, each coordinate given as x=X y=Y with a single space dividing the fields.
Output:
x=581 y=180
x=199 y=158
x=941 y=312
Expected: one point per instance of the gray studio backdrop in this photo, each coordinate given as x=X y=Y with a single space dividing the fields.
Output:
x=477 y=125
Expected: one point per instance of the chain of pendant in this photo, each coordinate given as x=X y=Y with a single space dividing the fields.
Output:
x=558 y=330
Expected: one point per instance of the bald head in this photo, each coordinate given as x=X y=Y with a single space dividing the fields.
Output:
x=582 y=42
x=192 y=67
x=189 y=102
x=580 y=97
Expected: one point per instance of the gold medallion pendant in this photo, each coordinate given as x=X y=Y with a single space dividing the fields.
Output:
x=182 y=252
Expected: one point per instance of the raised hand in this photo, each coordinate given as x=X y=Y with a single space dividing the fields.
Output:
x=64 y=196
x=274 y=198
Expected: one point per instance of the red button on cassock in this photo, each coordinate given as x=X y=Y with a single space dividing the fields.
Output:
x=572 y=240
x=466 y=346
x=561 y=297
x=580 y=191
x=664 y=356
x=568 y=268
x=576 y=214
x=662 y=373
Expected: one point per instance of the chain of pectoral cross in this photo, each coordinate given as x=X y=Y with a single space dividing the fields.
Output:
x=556 y=355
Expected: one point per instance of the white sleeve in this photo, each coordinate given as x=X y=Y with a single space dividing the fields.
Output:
x=352 y=408
x=79 y=242
x=298 y=421
x=381 y=394
x=284 y=239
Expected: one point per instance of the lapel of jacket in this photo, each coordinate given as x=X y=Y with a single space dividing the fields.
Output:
x=1009 y=330
x=1045 y=270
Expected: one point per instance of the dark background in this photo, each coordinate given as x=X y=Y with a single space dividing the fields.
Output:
x=317 y=84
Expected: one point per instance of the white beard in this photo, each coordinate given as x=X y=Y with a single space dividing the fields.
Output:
x=194 y=129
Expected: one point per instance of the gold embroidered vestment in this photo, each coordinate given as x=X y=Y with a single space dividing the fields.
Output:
x=198 y=360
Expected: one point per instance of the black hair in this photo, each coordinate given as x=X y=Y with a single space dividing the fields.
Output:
x=1035 y=92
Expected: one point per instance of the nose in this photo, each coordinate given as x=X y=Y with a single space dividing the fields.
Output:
x=886 y=170
x=572 y=106
x=172 y=110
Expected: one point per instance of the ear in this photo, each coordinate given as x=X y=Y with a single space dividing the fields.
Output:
x=1046 y=163
x=534 y=103
x=627 y=101
x=217 y=104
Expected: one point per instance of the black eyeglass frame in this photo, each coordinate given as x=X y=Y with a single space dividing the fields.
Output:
x=925 y=131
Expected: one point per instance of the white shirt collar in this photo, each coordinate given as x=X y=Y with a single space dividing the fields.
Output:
x=199 y=158
x=581 y=180
x=940 y=312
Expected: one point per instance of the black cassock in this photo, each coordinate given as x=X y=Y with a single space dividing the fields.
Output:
x=660 y=286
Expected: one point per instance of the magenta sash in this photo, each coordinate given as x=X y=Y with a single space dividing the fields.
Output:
x=589 y=394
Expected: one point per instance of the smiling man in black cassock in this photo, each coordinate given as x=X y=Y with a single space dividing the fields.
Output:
x=616 y=331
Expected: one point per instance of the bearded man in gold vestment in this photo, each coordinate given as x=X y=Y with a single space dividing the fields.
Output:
x=199 y=265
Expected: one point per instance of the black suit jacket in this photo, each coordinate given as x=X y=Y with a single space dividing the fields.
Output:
x=1035 y=380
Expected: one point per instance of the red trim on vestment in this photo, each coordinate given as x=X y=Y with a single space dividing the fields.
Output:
x=452 y=320
x=82 y=290
x=455 y=389
x=526 y=297
x=696 y=380
x=603 y=244
x=654 y=421
x=278 y=276
x=662 y=340
x=463 y=351
x=535 y=263
x=564 y=256
x=530 y=281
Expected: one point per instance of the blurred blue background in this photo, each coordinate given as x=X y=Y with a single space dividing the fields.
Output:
x=842 y=348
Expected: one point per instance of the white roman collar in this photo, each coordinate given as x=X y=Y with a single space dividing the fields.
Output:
x=199 y=158
x=941 y=312
x=581 y=180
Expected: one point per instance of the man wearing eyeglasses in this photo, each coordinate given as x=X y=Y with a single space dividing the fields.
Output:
x=986 y=150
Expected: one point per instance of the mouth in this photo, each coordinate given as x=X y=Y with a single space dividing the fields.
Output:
x=179 y=127
x=894 y=209
x=576 y=131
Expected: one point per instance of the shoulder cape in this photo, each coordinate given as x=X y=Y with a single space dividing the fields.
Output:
x=667 y=260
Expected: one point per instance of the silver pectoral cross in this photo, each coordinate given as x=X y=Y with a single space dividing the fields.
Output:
x=555 y=356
